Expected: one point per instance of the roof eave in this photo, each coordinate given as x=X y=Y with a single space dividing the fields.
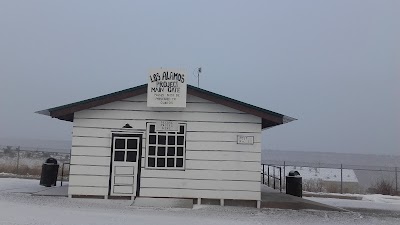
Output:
x=267 y=124
x=66 y=112
x=45 y=112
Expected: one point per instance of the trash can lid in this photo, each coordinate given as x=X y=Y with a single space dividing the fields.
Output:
x=294 y=173
x=51 y=160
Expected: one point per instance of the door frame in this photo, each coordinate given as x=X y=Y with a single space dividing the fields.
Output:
x=140 y=136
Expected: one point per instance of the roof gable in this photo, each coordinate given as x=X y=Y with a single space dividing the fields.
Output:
x=66 y=112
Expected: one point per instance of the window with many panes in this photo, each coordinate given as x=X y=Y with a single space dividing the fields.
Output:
x=166 y=150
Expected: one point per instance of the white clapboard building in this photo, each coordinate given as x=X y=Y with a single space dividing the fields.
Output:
x=207 y=149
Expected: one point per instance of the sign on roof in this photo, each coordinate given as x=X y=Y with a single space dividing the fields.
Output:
x=166 y=88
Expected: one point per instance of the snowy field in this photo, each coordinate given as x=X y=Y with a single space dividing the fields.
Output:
x=18 y=206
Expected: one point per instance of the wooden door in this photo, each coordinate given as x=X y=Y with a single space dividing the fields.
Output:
x=125 y=165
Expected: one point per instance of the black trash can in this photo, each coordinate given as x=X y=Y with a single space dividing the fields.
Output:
x=49 y=174
x=294 y=184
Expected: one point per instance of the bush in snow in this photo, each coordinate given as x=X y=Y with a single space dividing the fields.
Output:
x=383 y=187
x=333 y=187
x=313 y=185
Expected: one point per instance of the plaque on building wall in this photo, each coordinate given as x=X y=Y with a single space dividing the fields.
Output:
x=167 y=88
x=245 y=140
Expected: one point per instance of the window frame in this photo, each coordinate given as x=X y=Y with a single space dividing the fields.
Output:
x=165 y=156
x=125 y=150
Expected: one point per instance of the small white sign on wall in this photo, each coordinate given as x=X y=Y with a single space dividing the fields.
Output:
x=245 y=140
x=167 y=88
x=167 y=125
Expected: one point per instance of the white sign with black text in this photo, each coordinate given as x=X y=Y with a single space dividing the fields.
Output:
x=167 y=88
x=167 y=125
x=245 y=140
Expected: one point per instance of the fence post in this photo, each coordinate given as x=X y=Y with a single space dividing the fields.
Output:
x=62 y=173
x=18 y=149
x=268 y=175
x=395 y=172
x=341 y=178
x=263 y=173
x=274 y=176
x=284 y=171
x=280 y=179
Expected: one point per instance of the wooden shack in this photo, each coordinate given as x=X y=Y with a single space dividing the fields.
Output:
x=209 y=150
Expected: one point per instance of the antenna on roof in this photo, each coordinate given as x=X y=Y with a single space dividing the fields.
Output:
x=198 y=76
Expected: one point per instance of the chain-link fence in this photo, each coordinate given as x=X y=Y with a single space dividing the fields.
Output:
x=340 y=178
x=27 y=162
x=317 y=177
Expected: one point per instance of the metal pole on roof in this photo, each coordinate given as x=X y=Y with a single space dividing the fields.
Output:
x=198 y=76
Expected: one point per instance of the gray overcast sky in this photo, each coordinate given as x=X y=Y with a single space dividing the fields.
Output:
x=334 y=65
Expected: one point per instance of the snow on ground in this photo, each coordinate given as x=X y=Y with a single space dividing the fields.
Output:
x=358 y=204
x=20 y=185
x=22 y=208
x=377 y=198
x=383 y=199
x=373 y=201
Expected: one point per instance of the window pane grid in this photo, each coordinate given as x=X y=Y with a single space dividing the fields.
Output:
x=165 y=150
x=125 y=149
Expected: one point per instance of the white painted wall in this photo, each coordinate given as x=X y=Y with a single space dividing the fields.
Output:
x=216 y=166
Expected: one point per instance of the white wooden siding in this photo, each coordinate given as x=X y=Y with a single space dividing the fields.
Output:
x=199 y=184
x=224 y=156
x=191 y=126
x=222 y=146
x=203 y=175
x=88 y=151
x=88 y=190
x=194 y=104
x=219 y=137
x=89 y=141
x=190 y=193
x=209 y=136
x=216 y=166
x=93 y=181
x=89 y=170
x=143 y=98
x=90 y=160
x=179 y=116
x=223 y=165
